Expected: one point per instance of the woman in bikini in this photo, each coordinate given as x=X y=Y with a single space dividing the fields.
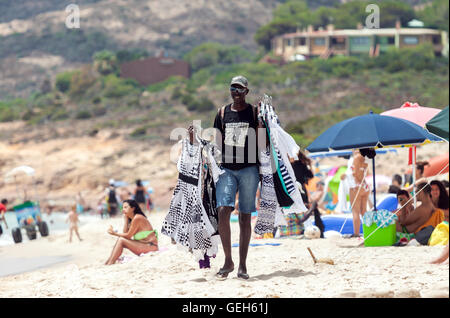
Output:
x=138 y=234
x=359 y=189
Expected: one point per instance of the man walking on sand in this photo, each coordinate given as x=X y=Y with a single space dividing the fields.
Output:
x=237 y=123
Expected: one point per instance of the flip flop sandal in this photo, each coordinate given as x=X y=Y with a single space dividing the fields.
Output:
x=243 y=276
x=222 y=274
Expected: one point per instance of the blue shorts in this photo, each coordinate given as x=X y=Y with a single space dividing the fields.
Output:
x=244 y=181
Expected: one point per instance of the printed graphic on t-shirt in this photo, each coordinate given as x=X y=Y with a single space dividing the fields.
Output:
x=235 y=134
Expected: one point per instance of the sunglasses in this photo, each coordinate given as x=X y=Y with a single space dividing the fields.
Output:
x=237 y=89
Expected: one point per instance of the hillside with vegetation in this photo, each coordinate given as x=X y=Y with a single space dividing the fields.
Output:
x=113 y=125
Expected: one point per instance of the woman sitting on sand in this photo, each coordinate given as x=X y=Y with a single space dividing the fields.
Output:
x=138 y=234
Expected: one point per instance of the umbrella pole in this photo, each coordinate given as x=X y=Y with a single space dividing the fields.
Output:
x=374 y=186
x=414 y=175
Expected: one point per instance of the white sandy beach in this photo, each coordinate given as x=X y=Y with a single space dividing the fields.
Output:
x=276 y=271
x=52 y=267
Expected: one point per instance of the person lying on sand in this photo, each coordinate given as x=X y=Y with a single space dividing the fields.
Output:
x=138 y=234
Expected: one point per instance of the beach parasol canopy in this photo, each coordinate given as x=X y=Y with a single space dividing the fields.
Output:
x=418 y=115
x=371 y=131
x=19 y=171
x=438 y=125
x=413 y=112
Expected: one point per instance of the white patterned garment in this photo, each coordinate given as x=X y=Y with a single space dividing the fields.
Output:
x=268 y=207
x=281 y=139
x=187 y=222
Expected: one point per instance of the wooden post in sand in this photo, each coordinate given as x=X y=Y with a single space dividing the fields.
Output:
x=312 y=255
x=326 y=260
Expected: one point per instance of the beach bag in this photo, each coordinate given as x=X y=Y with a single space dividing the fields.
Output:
x=439 y=235
x=294 y=227
x=423 y=236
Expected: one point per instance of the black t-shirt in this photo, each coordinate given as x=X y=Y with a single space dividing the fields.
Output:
x=239 y=142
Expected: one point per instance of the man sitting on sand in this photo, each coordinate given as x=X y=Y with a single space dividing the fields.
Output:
x=73 y=220
x=422 y=216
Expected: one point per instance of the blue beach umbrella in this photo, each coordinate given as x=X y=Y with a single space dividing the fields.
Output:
x=371 y=131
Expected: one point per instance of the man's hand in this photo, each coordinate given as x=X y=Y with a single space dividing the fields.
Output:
x=191 y=134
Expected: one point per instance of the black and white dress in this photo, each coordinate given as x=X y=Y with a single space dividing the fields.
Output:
x=187 y=221
x=270 y=214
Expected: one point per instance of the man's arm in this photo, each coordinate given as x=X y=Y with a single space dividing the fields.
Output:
x=218 y=133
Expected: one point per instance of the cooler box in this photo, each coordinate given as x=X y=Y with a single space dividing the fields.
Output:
x=27 y=213
x=382 y=237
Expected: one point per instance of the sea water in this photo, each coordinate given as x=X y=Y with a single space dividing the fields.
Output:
x=56 y=223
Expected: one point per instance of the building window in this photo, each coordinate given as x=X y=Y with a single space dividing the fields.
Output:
x=301 y=41
x=361 y=40
x=319 y=41
x=411 y=40
x=436 y=39
x=386 y=40
x=338 y=41
x=289 y=42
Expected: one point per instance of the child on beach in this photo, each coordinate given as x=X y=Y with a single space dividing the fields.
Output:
x=72 y=218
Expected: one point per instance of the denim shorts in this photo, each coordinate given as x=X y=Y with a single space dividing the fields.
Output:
x=244 y=181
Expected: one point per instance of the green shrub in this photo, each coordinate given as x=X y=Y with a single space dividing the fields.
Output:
x=63 y=80
x=83 y=114
x=201 y=105
x=172 y=80
x=140 y=131
x=7 y=115
x=60 y=114
x=105 y=62
x=211 y=54
x=99 y=110
x=81 y=81
x=176 y=93
x=116 y=87
x=187 y=99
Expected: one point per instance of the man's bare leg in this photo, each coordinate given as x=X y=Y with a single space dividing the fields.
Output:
x=225 y=237
x=244 y=240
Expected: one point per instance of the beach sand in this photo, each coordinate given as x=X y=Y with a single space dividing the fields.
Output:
x=52 y=267
x=282 y=271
